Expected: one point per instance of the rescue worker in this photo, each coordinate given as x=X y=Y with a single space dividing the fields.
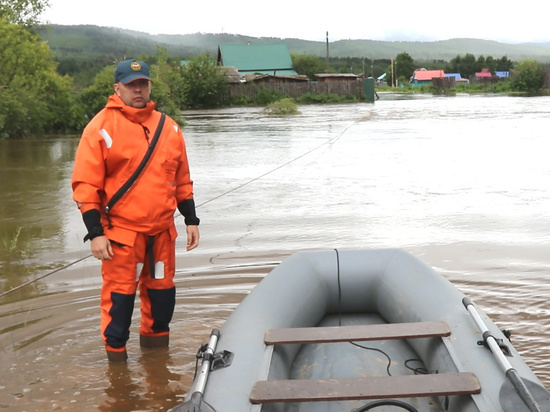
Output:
x=135 y=237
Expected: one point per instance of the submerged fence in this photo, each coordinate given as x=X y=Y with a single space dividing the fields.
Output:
x=294 y=90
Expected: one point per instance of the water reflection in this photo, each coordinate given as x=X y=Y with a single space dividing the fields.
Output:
x=32 y=178
x=149 y=389
x=463 y=183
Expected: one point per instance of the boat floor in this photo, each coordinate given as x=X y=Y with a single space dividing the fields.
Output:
x=354 y=360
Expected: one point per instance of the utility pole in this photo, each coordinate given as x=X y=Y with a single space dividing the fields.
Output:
x=327 y=52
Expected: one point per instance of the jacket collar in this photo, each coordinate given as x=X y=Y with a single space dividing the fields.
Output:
x=131 y=113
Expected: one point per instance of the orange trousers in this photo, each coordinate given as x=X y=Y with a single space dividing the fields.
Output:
x=150 y=265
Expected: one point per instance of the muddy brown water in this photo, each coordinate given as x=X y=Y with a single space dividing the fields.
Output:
x=461 y=182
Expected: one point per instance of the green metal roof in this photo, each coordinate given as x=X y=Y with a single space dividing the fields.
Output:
x=257 y=58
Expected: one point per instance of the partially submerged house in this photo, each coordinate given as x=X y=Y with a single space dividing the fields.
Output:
x=457 y=78
x=338 y=77
x=484 y=74
x=270 y=59
x=423 y=76
x=250 y=68
x=268 y=78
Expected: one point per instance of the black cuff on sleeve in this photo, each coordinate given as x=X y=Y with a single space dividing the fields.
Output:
x=92 y=220
x=187 y=209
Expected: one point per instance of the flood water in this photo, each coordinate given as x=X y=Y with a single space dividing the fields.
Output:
x=461 y=182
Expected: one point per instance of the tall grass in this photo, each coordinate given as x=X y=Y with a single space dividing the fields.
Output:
x=13 y=247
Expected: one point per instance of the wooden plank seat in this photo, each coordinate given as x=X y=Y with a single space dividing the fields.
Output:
x=379 y=387
x=357 y=333
x=305 y=390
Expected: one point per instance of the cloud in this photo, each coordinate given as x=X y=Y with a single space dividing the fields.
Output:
x=355 y=19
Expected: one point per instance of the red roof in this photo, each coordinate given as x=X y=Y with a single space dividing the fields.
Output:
x=428 y=74
x=484 y=74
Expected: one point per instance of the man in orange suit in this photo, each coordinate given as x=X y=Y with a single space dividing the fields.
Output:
x=132 y=231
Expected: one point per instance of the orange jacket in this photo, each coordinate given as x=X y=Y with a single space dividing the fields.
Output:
x=111 y=147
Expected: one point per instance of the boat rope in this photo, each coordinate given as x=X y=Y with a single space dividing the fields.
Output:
x=328 y=142
x=43 y=276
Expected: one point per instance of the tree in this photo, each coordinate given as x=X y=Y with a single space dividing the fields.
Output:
x=491 y=64
x=308 y=65
x=480 y=64
x=35 y=98
x=167 y=91
x=504 y=64
x=24 y=12
x=466 y=65
x=93 y=98
x=204 y=82
x=404 y=66
x=527 y=77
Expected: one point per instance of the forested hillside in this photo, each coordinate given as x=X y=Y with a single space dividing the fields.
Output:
x=91 y=42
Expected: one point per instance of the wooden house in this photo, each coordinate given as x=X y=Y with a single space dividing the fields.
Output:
x=268 y=59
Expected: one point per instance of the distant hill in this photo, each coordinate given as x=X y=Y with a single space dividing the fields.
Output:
x=93 y=41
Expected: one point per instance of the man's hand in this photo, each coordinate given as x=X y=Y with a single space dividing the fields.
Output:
x=101 y=248
x=192 y=237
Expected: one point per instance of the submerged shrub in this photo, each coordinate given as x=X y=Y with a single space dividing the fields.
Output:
x=282 y=107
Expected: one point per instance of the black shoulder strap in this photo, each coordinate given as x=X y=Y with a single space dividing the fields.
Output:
x=126 y=186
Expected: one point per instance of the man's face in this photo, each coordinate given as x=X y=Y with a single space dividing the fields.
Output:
x=135 y=94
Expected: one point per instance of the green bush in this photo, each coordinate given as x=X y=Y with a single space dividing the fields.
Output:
x=282 y=107
x=267 y=96
x=527 y=77
x=310 y=98
x=203 y=83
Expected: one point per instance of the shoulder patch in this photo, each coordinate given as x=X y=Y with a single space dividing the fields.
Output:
x=106 y=137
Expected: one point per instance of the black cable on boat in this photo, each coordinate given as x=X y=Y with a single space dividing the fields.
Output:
x=374 y=404
x=389 y=402
x=340 y=314
x=417 y=371
x=376 y=350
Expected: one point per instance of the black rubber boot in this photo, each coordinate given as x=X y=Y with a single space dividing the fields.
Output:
x=117 y=357
x=151 y=342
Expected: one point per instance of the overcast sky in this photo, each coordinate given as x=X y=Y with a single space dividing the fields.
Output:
x=353 y=19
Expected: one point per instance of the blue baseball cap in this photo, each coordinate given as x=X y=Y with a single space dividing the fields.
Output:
x=129 y=70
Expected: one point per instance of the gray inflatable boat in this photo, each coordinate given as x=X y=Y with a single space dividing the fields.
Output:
x=361 y=330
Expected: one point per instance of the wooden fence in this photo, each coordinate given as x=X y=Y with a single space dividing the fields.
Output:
x=344 y=88
x=444 y=82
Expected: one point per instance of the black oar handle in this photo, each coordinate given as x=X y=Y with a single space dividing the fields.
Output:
x=207 y=359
